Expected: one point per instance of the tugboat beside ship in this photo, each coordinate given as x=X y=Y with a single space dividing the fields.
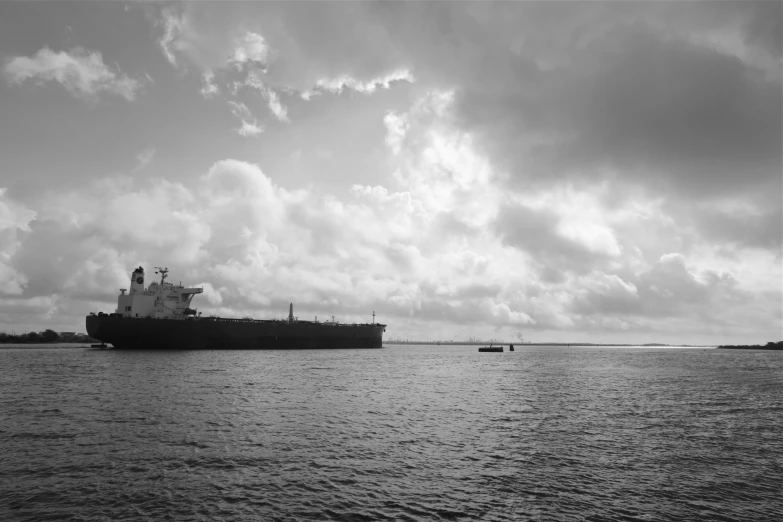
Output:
x=159 y=316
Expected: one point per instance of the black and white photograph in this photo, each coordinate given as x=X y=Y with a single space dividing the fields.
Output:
x=393 y=260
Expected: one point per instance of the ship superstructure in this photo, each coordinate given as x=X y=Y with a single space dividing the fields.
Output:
x=159 y=316
x=159 y=300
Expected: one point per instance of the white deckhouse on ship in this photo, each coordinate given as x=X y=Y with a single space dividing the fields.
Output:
x=159 y=300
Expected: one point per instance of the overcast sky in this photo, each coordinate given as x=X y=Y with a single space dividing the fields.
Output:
x=583 y=171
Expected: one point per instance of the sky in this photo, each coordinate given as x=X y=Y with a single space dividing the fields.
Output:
x=553 y=172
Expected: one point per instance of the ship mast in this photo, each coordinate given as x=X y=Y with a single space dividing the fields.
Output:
x=163 y=272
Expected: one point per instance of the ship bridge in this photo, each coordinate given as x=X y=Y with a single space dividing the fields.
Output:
x=160 y=300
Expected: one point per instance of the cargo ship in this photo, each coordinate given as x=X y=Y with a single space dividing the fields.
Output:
x=159 y=316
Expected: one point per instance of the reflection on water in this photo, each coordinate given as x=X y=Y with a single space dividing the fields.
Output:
x=403 y=433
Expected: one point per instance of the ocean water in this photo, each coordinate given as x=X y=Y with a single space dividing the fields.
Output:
x=401 y=433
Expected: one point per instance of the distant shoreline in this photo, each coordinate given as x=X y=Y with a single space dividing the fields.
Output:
x=769 y=346
x=496 y=343
x=45 y=337
x=16 y=346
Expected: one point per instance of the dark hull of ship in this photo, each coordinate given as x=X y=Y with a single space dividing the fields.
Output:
x=217 y=333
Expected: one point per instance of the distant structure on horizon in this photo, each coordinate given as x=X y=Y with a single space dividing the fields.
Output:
x=468 y=341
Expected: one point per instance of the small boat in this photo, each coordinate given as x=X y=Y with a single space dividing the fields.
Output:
x=491 y=348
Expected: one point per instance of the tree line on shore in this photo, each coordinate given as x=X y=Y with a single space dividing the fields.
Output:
x=45 y=337
x=769 y=346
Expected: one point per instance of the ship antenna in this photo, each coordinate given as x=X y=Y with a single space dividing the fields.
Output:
x=162 y=271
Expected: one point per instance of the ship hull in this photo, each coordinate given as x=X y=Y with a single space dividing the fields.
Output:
x=217 y=333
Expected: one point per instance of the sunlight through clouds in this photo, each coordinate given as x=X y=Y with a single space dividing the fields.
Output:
x=465 y=169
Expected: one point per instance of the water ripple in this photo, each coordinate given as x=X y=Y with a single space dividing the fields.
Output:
x=404 y=433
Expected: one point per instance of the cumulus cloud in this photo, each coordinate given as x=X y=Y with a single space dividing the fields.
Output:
x=211 y=294
x=81 y=72
x=441 y=165
x=667 y=289
x=258 y=246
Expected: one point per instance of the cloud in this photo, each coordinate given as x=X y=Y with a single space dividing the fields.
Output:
x=690 y=114
x=396 y=127
x=345 y=81
x=256 y=243
x=211 y=294
x=606 y=294
x=209 y=88
x=250 y=49
x=749 y=227
x=259 y=246
x=18 y=312
x=660 y=95
x=265 y=57
x=295 y=47
x=439 y=163
x=537 y=233
x=172 y=40
x=668 y=289
x=81 y=72
x=764 y=28
x=593 y=169
x=14 y=222
x=673 y=98
x=250 y=127
x=249 y=59
x=604 y=92
x=277 y=108
x=170 y=26
x=255 y=81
